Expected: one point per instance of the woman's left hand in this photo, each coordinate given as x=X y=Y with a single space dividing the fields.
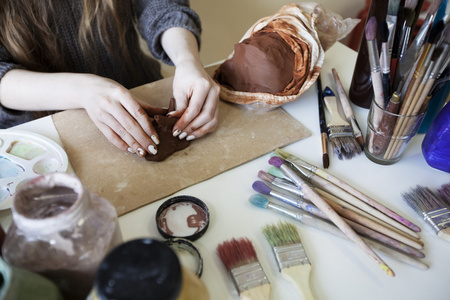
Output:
x=197 y=97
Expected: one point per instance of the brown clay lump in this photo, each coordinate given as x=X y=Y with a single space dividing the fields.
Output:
x=168 y=143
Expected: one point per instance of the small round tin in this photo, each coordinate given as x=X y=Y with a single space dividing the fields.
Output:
x=182 y=217
x=188 y=255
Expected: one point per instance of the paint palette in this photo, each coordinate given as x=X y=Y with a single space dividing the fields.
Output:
x=24 y=155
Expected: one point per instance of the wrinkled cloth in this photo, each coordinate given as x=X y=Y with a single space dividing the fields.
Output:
x=153 y=16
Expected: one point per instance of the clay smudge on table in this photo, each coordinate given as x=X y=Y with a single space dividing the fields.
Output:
x=25 y=150
x=9 y=169
x=183 y=219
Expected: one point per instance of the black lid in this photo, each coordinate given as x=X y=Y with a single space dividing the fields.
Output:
x=188 y=215
x=139 y=269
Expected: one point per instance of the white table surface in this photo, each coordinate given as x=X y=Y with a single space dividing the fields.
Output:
x=340 y=269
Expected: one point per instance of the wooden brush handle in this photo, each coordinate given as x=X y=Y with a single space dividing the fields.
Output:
x=299 y=277
x=261 y=292
x=444 y=234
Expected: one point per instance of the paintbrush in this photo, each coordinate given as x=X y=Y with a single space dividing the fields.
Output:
x=433 y=210
x=374 y=61
x=309 y=220
x=323 y=125
x=403 y=36
x=280 y=182
x=291 y=256
x=358 y=223
x=240 y=259
x=412 y=53
x=348 y=111
x=385 y=63
x=444 y=192
x=341 y=189
x=278 y=173
x=339 y=130
x=331 y=213
x=391 y=22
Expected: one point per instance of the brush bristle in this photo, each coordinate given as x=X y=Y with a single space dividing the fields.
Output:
x=277 y=172
x=282 y=235
x=371 y=29
x=436 y=31
x=411 y=4
x=393 y=7
x=235 y=253
x=259 y=201
x=325 y=160
x=384 y=32
x=422 y=200
x=266 y=176
x=282 y=153
x=345 y=147
x=276 y=161
x=261 y=187
x=444 y=192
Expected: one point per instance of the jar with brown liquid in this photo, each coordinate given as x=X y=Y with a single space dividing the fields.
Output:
x=61 y=231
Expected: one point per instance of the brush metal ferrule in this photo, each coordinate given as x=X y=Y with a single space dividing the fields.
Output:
x=287 y=186
x=374 y=57
x=339 y=131
x=290 y=255
x=249 y=276
x=438 y=218
x=297 y=163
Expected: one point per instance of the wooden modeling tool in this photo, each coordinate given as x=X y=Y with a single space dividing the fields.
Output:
x=323 y=125
x=339 y=130
x=309 y=220
x=348 y=111
x=240 y=259
x=361 y=225
x=331 y=213
x=433 y=210
x=297 y=162
x=291 y=256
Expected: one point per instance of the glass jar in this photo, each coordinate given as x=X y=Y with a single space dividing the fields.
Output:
x=62 y=231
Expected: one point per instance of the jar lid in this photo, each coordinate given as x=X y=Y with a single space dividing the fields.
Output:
x=139 y=269
x=182 y=217
x=188 y=255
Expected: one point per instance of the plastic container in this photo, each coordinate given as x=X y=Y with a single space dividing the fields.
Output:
x=61 y=231
x=145 y=269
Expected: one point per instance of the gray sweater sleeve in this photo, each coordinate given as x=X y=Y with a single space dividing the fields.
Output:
x=156 y=16
x=6 y=62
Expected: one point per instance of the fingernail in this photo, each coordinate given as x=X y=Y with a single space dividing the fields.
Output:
x=170 y=113
x=140 y=152
x=130 y=150
x=190 y=138
x=176 y=132
x=152 y=149
x=155 y=139
x=182 y=136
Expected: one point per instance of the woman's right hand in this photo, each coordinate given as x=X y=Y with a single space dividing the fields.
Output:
x=121 y=117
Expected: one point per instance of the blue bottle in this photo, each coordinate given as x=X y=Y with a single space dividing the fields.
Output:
x=436 y=143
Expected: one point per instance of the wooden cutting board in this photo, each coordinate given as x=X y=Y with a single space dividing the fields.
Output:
x=129 y=181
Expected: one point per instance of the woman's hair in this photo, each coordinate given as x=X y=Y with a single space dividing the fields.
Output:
x=24 y=22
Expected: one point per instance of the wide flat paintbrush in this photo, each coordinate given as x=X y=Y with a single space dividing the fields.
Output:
x=323 y=125
x=433 y=210
x=309 y=220
x=444 y=192
x=331 y=213
x=348 y=111
x=291 y=256
x=240 y=259
x=339 y=130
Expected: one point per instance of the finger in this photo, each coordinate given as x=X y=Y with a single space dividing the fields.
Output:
x=118 y=136
x=205 y=129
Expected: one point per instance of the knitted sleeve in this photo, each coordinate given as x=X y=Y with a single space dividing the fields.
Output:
x=156 y=16
x=6 y=62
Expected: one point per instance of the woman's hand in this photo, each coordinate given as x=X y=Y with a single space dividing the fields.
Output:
x=196 y=94
x=122 y=118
